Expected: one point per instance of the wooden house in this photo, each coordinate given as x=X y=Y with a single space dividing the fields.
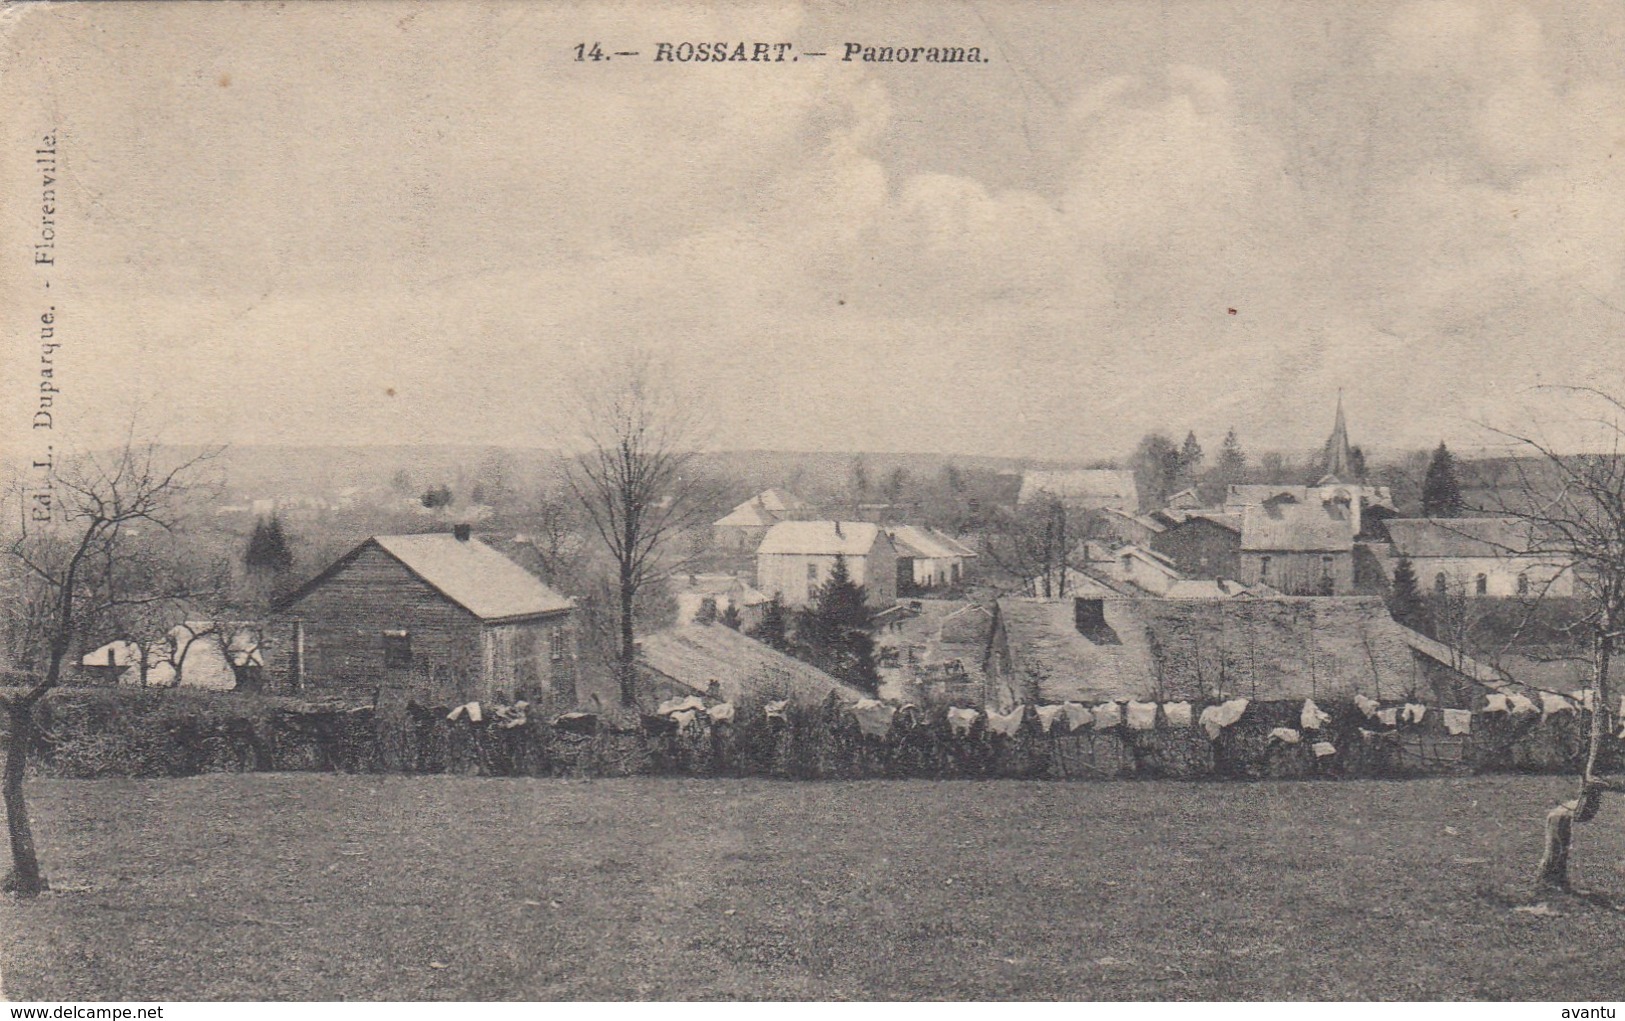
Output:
x=798 y=556
x=431 y=617
x=1300 y=549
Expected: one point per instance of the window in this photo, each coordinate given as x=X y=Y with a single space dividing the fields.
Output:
x=555 y=643
x=812 y=572
x=1439 y=583
x=1325 y=567
x=1481 y=585
x=397 y=649
x=1263 y=568
x=1128 y=565
x=1523 y=584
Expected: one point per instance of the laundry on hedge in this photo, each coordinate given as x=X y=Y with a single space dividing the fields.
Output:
x=686 y=719
x=677 y=705
x=1324 y=748
x=1520 y=704
x=1108 y=714
x=1414 y=712
x=1388 y=717
x=1142 y=715
x=961 y=720
x=1047 y=715
x=1178 y=714
x=1285 y=735
x=1217 y=717
x=777 y=710
x=1369 y=706
x=1312 y=718
x=874 y=717
x=1551 y=702
x=1006 y=723
x=1078 y=715
x=1457 y=721
x=469 y=709
x=722 y=712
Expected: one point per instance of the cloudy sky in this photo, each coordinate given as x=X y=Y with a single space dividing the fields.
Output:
x=365 y=223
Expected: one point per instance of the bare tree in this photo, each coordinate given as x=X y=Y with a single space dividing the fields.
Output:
x=636 y=483
x=1572 y=507
x=97 y=558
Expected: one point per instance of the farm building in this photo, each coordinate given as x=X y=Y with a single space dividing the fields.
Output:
x=798 y=556
x=1140 y=529
x=435 y=616
x=723 y=591
x=743 y=527
x=1202 y=544
x=1300 y=549
x=688 y=660
x=1275 y=649
x=1086 y=490
x=1492 y=557
x=926 y=558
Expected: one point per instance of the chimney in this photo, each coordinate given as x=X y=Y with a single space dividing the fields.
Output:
x=462 y=532
x=1088 y=615
x=838 y=533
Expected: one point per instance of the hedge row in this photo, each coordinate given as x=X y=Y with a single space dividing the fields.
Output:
x=86 y=732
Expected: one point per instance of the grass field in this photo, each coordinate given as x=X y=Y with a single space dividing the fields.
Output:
x=349 y=887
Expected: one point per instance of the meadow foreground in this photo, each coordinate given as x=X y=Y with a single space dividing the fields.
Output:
x=302 y=886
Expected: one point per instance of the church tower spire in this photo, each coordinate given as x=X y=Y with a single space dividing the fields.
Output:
x=1339 y=455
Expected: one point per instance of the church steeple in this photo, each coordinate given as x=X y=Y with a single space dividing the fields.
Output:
x=1339 y=455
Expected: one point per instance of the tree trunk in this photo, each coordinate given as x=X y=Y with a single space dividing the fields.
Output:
x=629 y=649
x=24 y=878
x=1554 y=862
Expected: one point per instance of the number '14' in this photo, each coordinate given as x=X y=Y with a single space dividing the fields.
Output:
x=585 y=52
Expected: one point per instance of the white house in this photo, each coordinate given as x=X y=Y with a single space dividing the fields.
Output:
x=796 y=557
x=724 y=591
x=929 y=558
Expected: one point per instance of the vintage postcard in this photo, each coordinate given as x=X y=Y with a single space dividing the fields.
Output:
x=812 y=501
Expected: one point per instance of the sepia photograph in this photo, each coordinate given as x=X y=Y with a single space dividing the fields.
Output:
x=993 y=500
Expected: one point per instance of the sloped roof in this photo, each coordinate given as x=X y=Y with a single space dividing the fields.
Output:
x=915 y=541
x=747 y=515
x=1099 y=487
x=821 y=538
x=1208 y=588
x=1458 y=537
x=778 y=501
x=1297 y=527
x=1145 y=521
x=467 y=572
x=1270 y=649
x=695 y=655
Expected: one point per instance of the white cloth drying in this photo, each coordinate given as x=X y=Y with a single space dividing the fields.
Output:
x=1415 y=713
x=1324 y=748
x=1142 y=715
x=677 y=705
x=874 y=717
x=1048 y=714
x=1497 y=703
x=1312 y=718
x=1078 y=715
x=1388 y=717
x=1457 y=721
x=1006 y=723
x=1217 y=717
x=777 y=710
x=1178 y=714
x=1551 y=702
x=961 y=720
x=1108 y=714
x=1369 y=706
x=1285 y=735
x=722 y=712
x=1520 y=704
x=686 y=720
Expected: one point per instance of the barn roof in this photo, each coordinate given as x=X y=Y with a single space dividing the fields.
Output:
x=821 y=538
x=1458 y=537
x=1098 y=486
x=1270 y=649
x=1312 y=527
x=915 y=541
x=465 y=571
x=695 y=655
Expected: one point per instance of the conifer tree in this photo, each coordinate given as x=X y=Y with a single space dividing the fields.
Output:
x=1441 y=490
x=1405 y=602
